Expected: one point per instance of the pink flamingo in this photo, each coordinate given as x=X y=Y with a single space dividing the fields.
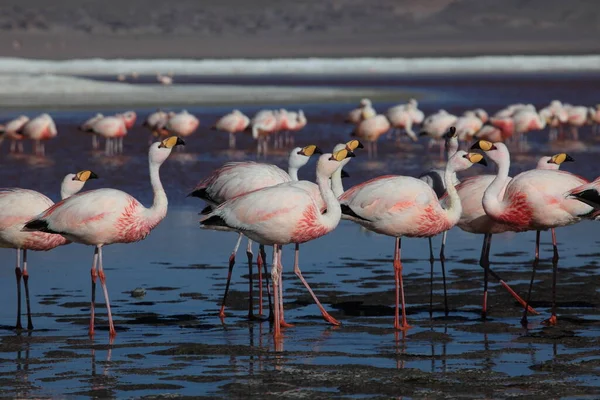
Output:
x=290 y=215
x=39 y=129
x=263 y=124
x=129 y=117
x=87 y=126
x=106 y=216
x=474 y=219
x=156 y=123
x=533 y=200
x=467 y=125
x=233 y=123
x=370 y=129
x=365 y=110
x=182 y=124
x=111 y=128
x=400 y=206
x=296 y=122
x=11 y=130
x=17 y=206
x=236 y=179
x=435 y=126
x=589 y=194
x=401 y=118
x=594 y=117
x=577 y=117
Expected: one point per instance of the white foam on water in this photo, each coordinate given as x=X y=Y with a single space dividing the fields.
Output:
x=308 y=66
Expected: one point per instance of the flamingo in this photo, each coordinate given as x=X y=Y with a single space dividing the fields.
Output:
x=284 y=214
x=87 y=126
x=39 y=129
x=468 y=124
x=106 y=216
x=111 y=128
x=11 y=130
x=577 y=117
x=589 y=194
x=164 y=79
x=365 y=110
x=370 y=129
x=594 y=117
x=436 y=125
x=401 y=118
x=296 y=122
x=156 y=123
x=232 y=123
x=182 y=124
x=474 y=219
x=236 y=179
x=263 y=124
x=400 y=206
x=17 y=206
x=533 y=200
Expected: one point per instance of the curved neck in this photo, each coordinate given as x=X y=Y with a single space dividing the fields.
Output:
x=336 y=183
x=454 y=208
x=293 y=173
x=492 y=203
x=331 y=218
x=159 y=207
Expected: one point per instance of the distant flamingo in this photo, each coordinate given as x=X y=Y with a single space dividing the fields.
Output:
x=467 y=125
x=112 y=129
x=39 y=129
x=400 y=206
x=236 y=179
x=12 y=131
x=401 y=118
x=296 y=122
x=365 y=110
x=369 y=130
x=577 y=117
x=164 y=79
x=263 y=124
x=435 y=126
x=17 y=206
x=106 y=216
x=533 y=200
x=129 y=117
x=156 y=122
x=87 y=126
x=290 y=215
x=182 y=124
x=233 y=123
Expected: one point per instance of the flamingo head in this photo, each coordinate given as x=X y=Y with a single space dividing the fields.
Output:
x=463 y=160
x=300 y=155
x=159 y=151
x=329 y=163
x=560 y=158
x=73 y=183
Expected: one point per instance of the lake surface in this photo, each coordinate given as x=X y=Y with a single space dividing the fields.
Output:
x=172 y=343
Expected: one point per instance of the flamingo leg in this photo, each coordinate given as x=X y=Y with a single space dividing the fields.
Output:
x=443 y=246
x=250 y=281
x=231 y=264
x=484 y=262
x=399 y=289
x=112 y=331
x=264 y=257
x=26 y=284
x=94 y=275
x=281 y=312
x=231 y=140
x=536 y=261
x=20 y=146
x=431 y=260
x=553 y=320
x=18 y=275
x=298 y=273
x=13 y=145
x=275 y=281
x=443 y=263
x=94 y=142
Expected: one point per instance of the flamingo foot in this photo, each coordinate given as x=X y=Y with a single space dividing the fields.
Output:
x=404 y=327
x=112 y=333
x=284 y=324
x=518 y=298
x=552 y=321
x=330 y=319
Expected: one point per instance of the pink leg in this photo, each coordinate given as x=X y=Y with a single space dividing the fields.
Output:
x=298 y=273
x=553 y=320
x=112 y=331
x=26 y=284
x=18 y=275
x=259 y=263
x=250 y=256
x=399 y=289
x=94 y=275
x=231 y=264
x=281 y=309
x=275 y=283
x=536 y=261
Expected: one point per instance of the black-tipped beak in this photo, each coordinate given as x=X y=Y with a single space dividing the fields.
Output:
x=482 y=162
x=422 y=133
x=569 y=158
x=179 y=142
x=350 y=154
x=451 y=133
x=476 y=146
x=345 y=174
x=318 y=151
x=360 y=145
x=93 y=175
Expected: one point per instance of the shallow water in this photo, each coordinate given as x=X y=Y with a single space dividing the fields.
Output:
x=172 y=342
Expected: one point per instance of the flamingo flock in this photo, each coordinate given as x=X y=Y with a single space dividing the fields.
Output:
x=275 y=208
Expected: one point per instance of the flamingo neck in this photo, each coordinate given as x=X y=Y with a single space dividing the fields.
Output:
x=454 y=208
x=492 y=204
x=331 y=218
x=336 y=183
x=293 y=173
x=159 y=207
